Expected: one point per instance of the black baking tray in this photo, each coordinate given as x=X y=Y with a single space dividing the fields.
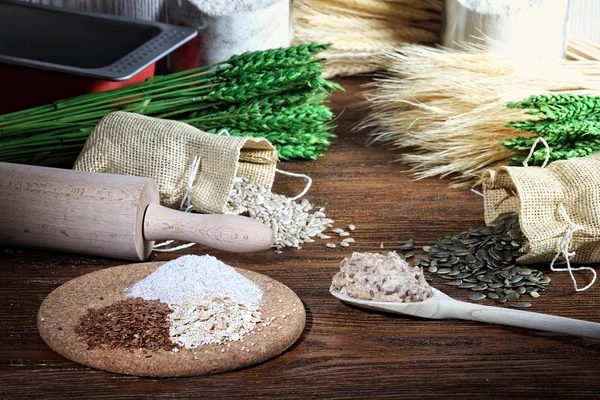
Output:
x=88 y=44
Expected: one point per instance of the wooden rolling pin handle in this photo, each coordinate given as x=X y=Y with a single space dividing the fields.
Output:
x=232 y=233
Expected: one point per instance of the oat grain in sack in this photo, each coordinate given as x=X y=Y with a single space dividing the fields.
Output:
x=132 y=144
x=558 y=207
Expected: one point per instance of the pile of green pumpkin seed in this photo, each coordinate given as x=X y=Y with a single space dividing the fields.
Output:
x=484 y=260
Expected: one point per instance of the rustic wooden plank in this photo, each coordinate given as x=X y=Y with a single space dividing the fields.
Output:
x=344 y=352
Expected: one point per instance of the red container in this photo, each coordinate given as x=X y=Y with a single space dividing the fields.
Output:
x=24 y=87
x=50 y=53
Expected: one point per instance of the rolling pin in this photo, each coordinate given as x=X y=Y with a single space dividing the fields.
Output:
x=107 y=215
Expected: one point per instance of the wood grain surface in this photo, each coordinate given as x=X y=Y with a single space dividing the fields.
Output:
x=343 y=352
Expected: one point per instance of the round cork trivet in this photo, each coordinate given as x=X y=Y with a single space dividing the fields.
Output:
x=62 y=310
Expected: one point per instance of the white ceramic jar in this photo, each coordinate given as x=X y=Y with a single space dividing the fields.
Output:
x=514 y=27
x=229 y=27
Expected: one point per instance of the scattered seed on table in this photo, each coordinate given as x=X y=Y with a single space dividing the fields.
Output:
x=426 y=249
x=344 y=244
x=409 y=245
x=512 y=295
x=330 y=245
x=534 y=294
x=351 y=227
x=337 y=230
x=521 y=304
x=447 y=277
x=524 y=271
x=293 y=222
x=477 y=297
x=344 y=233
x=324 y=236
x=381 y=246
x=348 y=240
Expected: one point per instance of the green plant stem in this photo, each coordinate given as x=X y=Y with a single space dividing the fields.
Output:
x=163 y=87
x=279 y=94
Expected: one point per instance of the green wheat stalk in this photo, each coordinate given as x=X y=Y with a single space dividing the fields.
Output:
x=570 y=124
x=277 y=93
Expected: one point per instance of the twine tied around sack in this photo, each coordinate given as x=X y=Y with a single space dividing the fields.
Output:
x=565 y=242
x=532 y=150
x=186 y=202
x=185 y=206
x=295 y=175
x=186 y=199
x=564 y=245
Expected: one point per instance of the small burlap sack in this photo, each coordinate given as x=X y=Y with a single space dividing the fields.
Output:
x=558 y=207
x=132 y=144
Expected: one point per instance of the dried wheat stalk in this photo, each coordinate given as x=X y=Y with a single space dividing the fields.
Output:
x=360 y=29
x=449 y=106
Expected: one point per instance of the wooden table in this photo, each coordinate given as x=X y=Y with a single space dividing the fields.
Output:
x=344 y=352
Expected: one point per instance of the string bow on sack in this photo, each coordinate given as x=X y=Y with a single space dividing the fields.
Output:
x=558 y=207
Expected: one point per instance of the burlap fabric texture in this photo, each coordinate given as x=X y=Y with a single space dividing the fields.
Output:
x=537 y=194
x=132 y=144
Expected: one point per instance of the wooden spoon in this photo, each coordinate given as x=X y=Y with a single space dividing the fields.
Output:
x=442 y=306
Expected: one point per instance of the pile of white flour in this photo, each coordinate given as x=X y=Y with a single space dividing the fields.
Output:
x=192 y=275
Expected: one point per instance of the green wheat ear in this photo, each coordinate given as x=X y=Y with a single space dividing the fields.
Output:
x=559 y=106
x=277 y=58
x=569 y=123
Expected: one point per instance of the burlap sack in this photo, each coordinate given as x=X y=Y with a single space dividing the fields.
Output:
x=133 y=144
x=537 y=194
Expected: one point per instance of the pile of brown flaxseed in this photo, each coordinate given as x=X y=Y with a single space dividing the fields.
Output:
x=134 y=323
